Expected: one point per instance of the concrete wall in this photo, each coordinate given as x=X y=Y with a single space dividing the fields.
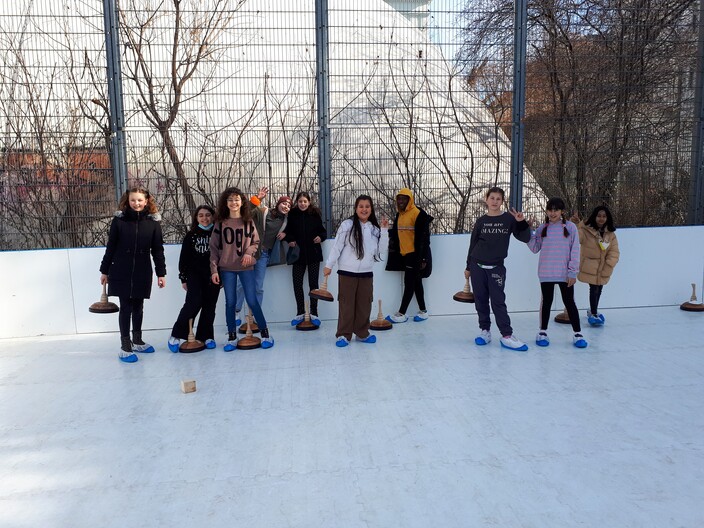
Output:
x=48 y=292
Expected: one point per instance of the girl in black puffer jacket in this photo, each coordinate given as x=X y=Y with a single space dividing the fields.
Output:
x=135 y=233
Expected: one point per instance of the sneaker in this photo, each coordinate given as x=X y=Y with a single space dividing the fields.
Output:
x=421 y=316
x=231 y=342
x=298 y=319
x=174 y=343
x=594 y=320
x=398 y=317
x=210 y=344
x=341 y=342
x=144 y=348
x=371 y=338
x=315 y=320
x=267 y=342
x=484 y=338
x=579 y=341
x=513 y=343
x=126 y=354
x=542 y=339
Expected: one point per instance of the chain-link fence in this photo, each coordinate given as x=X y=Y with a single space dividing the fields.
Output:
x=224 y=92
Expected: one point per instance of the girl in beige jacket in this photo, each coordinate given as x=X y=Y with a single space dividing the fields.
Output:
x=598 y=256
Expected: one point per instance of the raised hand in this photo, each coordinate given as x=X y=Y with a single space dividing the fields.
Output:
x=263 y=191
x=518 y=215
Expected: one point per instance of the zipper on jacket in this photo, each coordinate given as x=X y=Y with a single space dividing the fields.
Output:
x=134 y=255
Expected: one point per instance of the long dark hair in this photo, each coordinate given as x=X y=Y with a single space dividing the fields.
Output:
x=355 y=236
x=555 y=204
x=312 y=209
x=591 y=221
x=194 y=223
x=150 y=207
x=223 y=211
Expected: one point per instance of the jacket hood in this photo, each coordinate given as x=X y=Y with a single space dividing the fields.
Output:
x=409 y=193
x=121 y=214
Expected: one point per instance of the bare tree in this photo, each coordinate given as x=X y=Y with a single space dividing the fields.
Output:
x=599 y=79
x=164 y=50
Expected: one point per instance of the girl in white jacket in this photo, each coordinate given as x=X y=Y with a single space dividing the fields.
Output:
x=355 y=250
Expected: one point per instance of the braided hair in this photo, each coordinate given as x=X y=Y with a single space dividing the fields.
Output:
x=555 y=204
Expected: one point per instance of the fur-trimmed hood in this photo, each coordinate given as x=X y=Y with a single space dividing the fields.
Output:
x=154 y=216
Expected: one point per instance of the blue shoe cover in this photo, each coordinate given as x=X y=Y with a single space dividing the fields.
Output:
x=315 y=320
x=341 y=342
x=229 y=348
x=371 y=338
x=267 y=342
x=480 y=341
x=173 y=346
x=131 y=358
x=581 y=343
x=542 y=342
x=210 y=344
x=519 y=349
x=594 y=320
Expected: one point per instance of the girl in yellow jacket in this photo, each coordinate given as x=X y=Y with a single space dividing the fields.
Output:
x=598 y=256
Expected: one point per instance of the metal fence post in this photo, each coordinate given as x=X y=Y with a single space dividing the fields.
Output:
x=695 y=211
x=520 y=39
x=118 y=154
x=323 y=100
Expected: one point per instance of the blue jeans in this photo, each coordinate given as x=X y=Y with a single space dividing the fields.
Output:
x=259 y=274
x=229 y=284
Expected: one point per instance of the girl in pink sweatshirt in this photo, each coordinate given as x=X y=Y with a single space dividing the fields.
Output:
x=557 y=241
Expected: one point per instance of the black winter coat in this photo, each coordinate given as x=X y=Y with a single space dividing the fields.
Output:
x=133 y=236
x=302 y=228
x=421 y=242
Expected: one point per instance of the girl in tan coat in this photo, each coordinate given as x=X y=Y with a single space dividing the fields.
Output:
x=598 y=256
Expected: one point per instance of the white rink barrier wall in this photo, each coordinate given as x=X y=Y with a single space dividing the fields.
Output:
x=48 y=292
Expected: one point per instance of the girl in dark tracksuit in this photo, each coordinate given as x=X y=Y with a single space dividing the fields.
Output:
x=135 y=234
x=194 y=272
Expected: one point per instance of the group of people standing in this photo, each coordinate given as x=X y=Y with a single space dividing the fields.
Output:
x=569 y=250
x=231 y=246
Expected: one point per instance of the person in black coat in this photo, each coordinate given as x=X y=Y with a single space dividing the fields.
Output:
x=194 y=272
x=409 y=251
x=305 y=230
x=135 y=234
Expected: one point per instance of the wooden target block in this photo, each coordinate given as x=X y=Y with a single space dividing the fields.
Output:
x=188 y=386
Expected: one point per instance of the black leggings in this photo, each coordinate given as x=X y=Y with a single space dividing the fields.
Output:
x=548 y=291
x=594 y=296
x=412 y=284
x=299 y=270
x=130 y=309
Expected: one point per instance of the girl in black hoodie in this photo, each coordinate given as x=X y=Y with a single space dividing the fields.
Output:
x=194 y=272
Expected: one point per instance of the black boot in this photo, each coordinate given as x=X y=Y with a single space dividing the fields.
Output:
x=126 y=353
x=138 y=345
x=137 y=338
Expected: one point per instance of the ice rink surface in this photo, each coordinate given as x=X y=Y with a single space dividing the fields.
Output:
x=422 y=429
